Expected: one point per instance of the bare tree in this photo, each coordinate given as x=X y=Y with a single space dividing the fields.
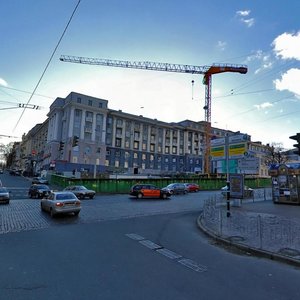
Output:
x=275 y=154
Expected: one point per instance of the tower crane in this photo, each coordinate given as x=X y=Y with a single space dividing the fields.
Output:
x=207 y=71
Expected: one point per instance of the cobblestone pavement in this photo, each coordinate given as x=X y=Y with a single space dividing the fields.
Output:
x=25 y=214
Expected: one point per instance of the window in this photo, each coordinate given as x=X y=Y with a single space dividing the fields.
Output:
x=100 y=105
x=143 y=156
x=135 y=155
x=118 y=142
x=167 y=149
x=144 y=147
x=136 y=145
x=90 y=103
x=152 y=147
x=78 y=100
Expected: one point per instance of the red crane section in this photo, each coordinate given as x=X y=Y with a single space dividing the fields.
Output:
x=207 y=71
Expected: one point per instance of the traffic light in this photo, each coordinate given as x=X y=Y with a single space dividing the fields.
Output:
x=75 y=141
x=61 y=146
x=296 y=138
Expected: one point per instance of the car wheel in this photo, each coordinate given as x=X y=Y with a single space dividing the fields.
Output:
x=91 y=197
x=52 y=214
x=139 y=195
x=164 y=196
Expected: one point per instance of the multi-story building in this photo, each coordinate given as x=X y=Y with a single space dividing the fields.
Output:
x=115 y=141
x=32 y=148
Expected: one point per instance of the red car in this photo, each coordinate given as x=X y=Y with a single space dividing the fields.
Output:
x=192 y=187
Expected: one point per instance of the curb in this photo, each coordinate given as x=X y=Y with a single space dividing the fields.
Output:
x=255 y=251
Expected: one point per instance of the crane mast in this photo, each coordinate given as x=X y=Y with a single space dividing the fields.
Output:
x=207 y=71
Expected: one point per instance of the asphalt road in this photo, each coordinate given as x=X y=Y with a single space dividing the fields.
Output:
x=151 y=257
x=122 y=248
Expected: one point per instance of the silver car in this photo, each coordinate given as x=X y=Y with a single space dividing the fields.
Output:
x=61 y=203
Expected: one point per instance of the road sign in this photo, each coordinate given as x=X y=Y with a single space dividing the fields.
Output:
x=249 y=163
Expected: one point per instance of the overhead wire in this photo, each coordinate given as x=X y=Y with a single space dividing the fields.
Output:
x=52 y=55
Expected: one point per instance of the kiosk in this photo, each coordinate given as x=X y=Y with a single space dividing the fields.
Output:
x=285 y=183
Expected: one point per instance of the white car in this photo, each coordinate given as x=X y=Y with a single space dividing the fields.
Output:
x=61 y=203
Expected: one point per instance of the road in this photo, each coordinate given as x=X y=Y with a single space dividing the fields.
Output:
x=122 y=248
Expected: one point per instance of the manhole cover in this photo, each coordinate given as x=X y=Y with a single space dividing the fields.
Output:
x=289 y=252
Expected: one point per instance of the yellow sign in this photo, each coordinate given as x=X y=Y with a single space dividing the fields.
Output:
x=237 y=149
x=217 y=151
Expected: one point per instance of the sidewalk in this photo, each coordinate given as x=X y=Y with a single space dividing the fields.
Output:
x=261 y=227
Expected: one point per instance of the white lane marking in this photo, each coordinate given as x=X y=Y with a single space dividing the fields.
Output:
x=192 y=265
x=150 y=244
x=135 y=236
x=168 y=253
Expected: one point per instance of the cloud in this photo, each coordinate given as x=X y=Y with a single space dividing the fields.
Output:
x=264 y=60
x=242 y=14
x=287 y=45
x=263 y=105
x=221 y=45
x=3 y=82
x=289 y=81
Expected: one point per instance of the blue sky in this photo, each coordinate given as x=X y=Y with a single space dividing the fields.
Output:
x=264 y=35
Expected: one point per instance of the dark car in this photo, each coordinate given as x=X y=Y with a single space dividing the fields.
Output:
x=148 y=190
x=4 y=195
x=176 y=188
x=39 y=180
x=81 y=191
x=39 y=191
x=192 y=187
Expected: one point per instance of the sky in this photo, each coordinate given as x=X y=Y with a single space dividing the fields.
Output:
x=264 y=35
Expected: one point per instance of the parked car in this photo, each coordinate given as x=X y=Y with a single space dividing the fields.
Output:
x=81 y=191
x=192 y=187
x=248 y=192
x=176 y=188
x=39 y=180
x=148 y=190
x=4 y=195
x=61 y=203
x=38 y=191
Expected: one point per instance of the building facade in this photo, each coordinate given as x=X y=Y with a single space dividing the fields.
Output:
x=113 y=141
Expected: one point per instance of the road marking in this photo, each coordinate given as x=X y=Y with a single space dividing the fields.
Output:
x=192 y=265
x=135 y=236
x=150 y=244
x=168 y=253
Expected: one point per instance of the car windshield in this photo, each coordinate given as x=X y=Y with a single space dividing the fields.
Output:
x=42 y=186
x=81 y=187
